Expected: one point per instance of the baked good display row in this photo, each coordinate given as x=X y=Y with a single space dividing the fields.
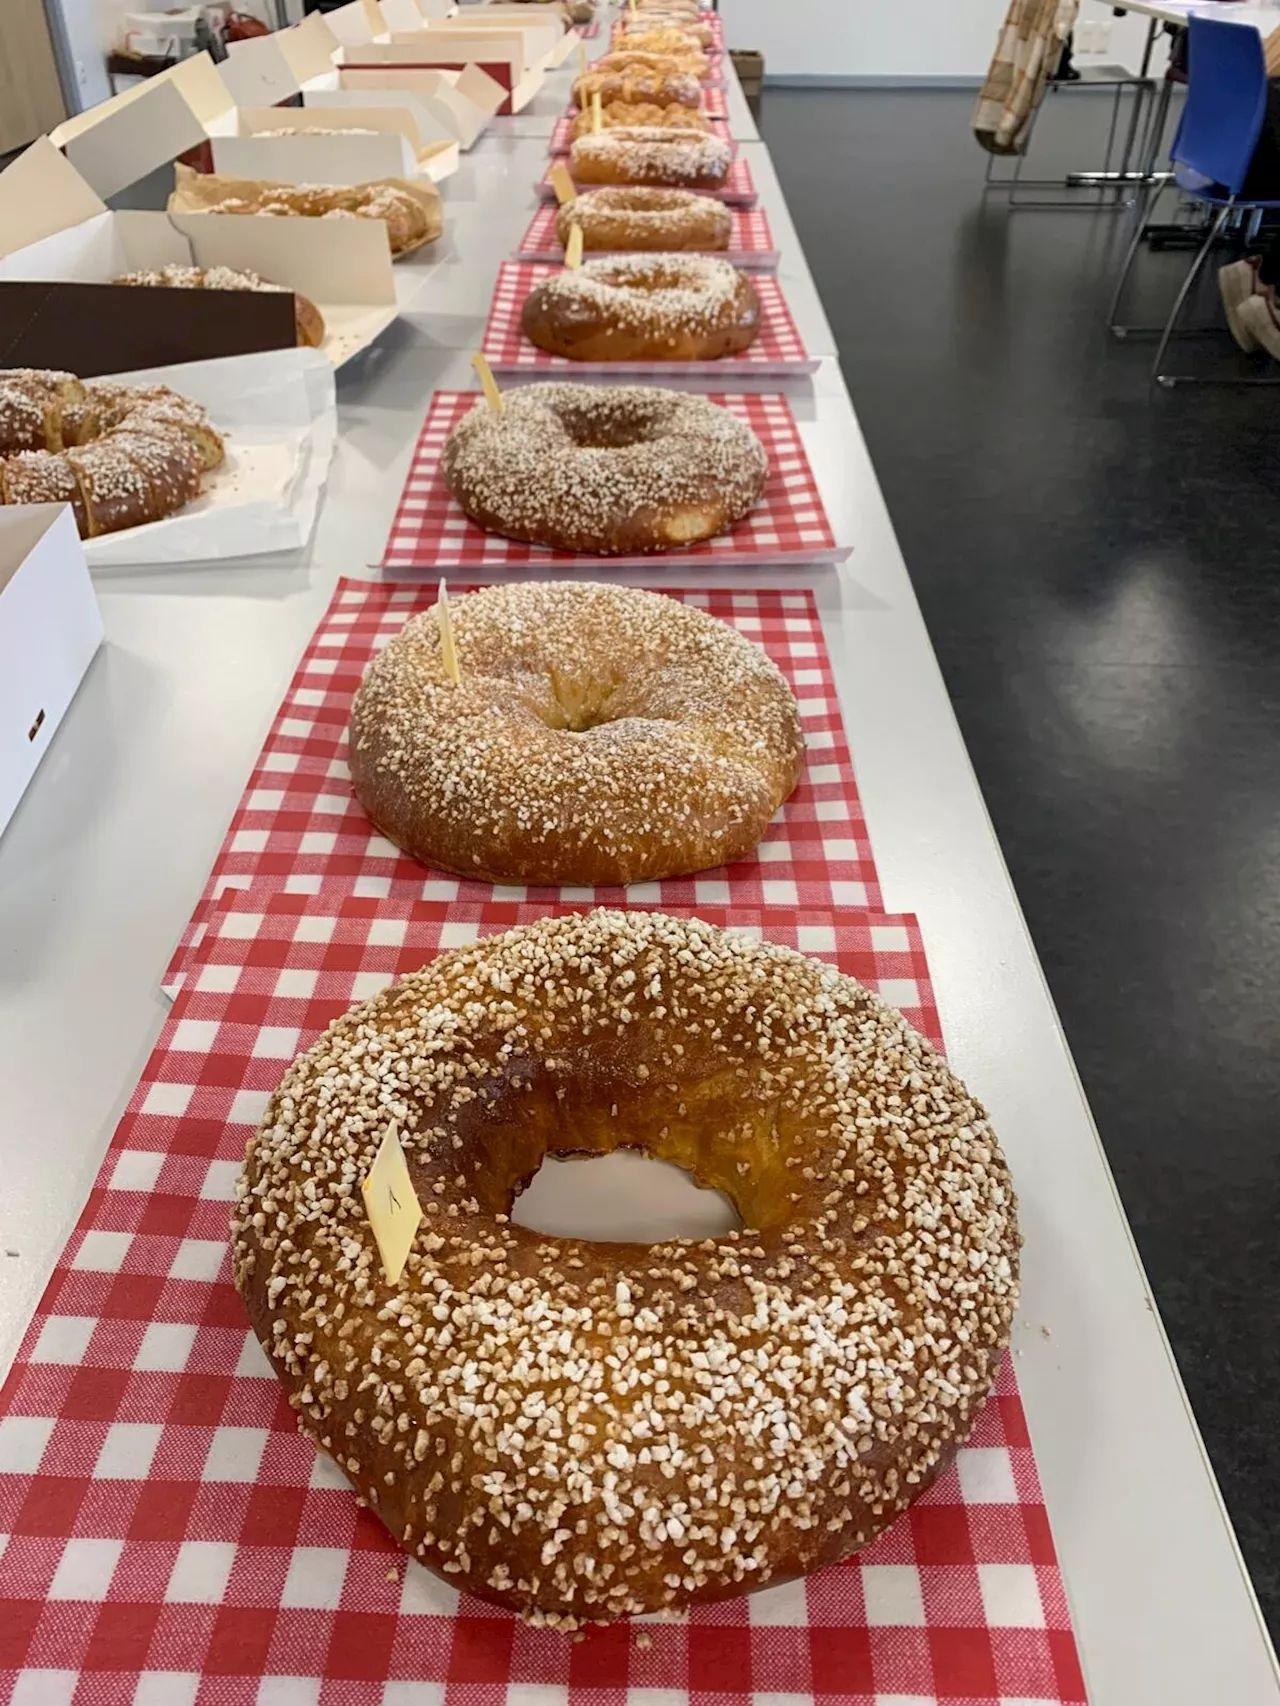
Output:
x=724 y=1413
x=574 y=1431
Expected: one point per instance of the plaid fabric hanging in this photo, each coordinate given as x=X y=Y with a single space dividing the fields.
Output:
x=1031 y=41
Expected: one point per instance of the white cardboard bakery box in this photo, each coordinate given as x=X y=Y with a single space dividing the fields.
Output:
x=501 y=54
x=119 y=141
x=52 y=227
x=358 y=22
x=352 y=145
x=542 y=35
x=262 y=71
x=445 y=105
x=558 y=42
x=50 y=629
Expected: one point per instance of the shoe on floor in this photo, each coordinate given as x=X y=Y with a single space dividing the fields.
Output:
x=1262 y=322
x=1238 y=284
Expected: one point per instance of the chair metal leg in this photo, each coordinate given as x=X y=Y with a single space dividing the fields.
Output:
x=1144 y=207
x=1111 y=133
x=1188 y=283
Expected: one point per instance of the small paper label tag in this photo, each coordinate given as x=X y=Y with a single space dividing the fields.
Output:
x=448 y=651
x=582 y=58
x=492 y=395
x=392 y=1205
x=573 y=248
x=597 y=116
x=562 y=184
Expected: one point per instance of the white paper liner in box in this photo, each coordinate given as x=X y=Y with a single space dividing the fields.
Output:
x=277 y=414
x=346 y=273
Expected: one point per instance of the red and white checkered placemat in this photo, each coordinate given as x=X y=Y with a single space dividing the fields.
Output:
x=430 y=530
x=777 y=353
x=562 y=135
x=170 y=1539
x=590 y=31
x=750 y=241
x=714 y=104
x=299 y=827
x=739 y=187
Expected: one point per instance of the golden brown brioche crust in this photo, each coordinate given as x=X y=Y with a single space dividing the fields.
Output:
x=120 y=455
x=644 y=307
x=645 y=155
x=601 y=735
x=643 y=115
x=606 y=469
x=581 y=1431
x=642 y=218
x=676 y=88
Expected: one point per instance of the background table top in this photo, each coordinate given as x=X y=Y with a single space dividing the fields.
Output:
x=1263 y=17
x=109 y=851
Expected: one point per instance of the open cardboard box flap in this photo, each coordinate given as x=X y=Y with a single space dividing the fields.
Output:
x=265 y=70
x=119 y=141
x=447 y=106
x=500 y=55
x=357 y=23
x=543 y=35
x=42 y=193
x=538 y=36
x=402 y=14
x=354 y=146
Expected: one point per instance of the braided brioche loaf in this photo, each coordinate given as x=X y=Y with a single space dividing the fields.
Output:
x=120 y=455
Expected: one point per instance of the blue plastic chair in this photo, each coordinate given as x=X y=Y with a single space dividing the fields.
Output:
x=1211 y=153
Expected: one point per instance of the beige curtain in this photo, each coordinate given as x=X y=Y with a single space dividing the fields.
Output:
x=1030 y=45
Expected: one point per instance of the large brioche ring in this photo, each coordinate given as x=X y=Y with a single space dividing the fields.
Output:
x=581 y=1431
x=607 y=469
x=650 y=154
x=626 y=218
x=644 y=308
x=600 y=735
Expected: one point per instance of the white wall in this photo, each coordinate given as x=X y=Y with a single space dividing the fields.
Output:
x=899 y=39
x=92 y=27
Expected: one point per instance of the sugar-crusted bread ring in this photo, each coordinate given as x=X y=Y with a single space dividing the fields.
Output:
x=644 y=308
x=580 y=1431
x=664 y=32
x=641 y=115
x=645 y=155
x=613 y=470
x=629 y=61
x=639 y=217
x=600 y=735
x=675 y=88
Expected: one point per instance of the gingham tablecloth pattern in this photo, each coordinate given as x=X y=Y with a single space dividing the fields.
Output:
x=299 y=827
x=790 y=525
x=590 y=31
x=750 y=241
x=739 y=187
x=778 y=351
x=562 y=135
x=169 y=1539
x=714 y=104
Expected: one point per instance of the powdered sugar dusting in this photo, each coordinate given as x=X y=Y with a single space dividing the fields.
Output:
x=580 y=466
